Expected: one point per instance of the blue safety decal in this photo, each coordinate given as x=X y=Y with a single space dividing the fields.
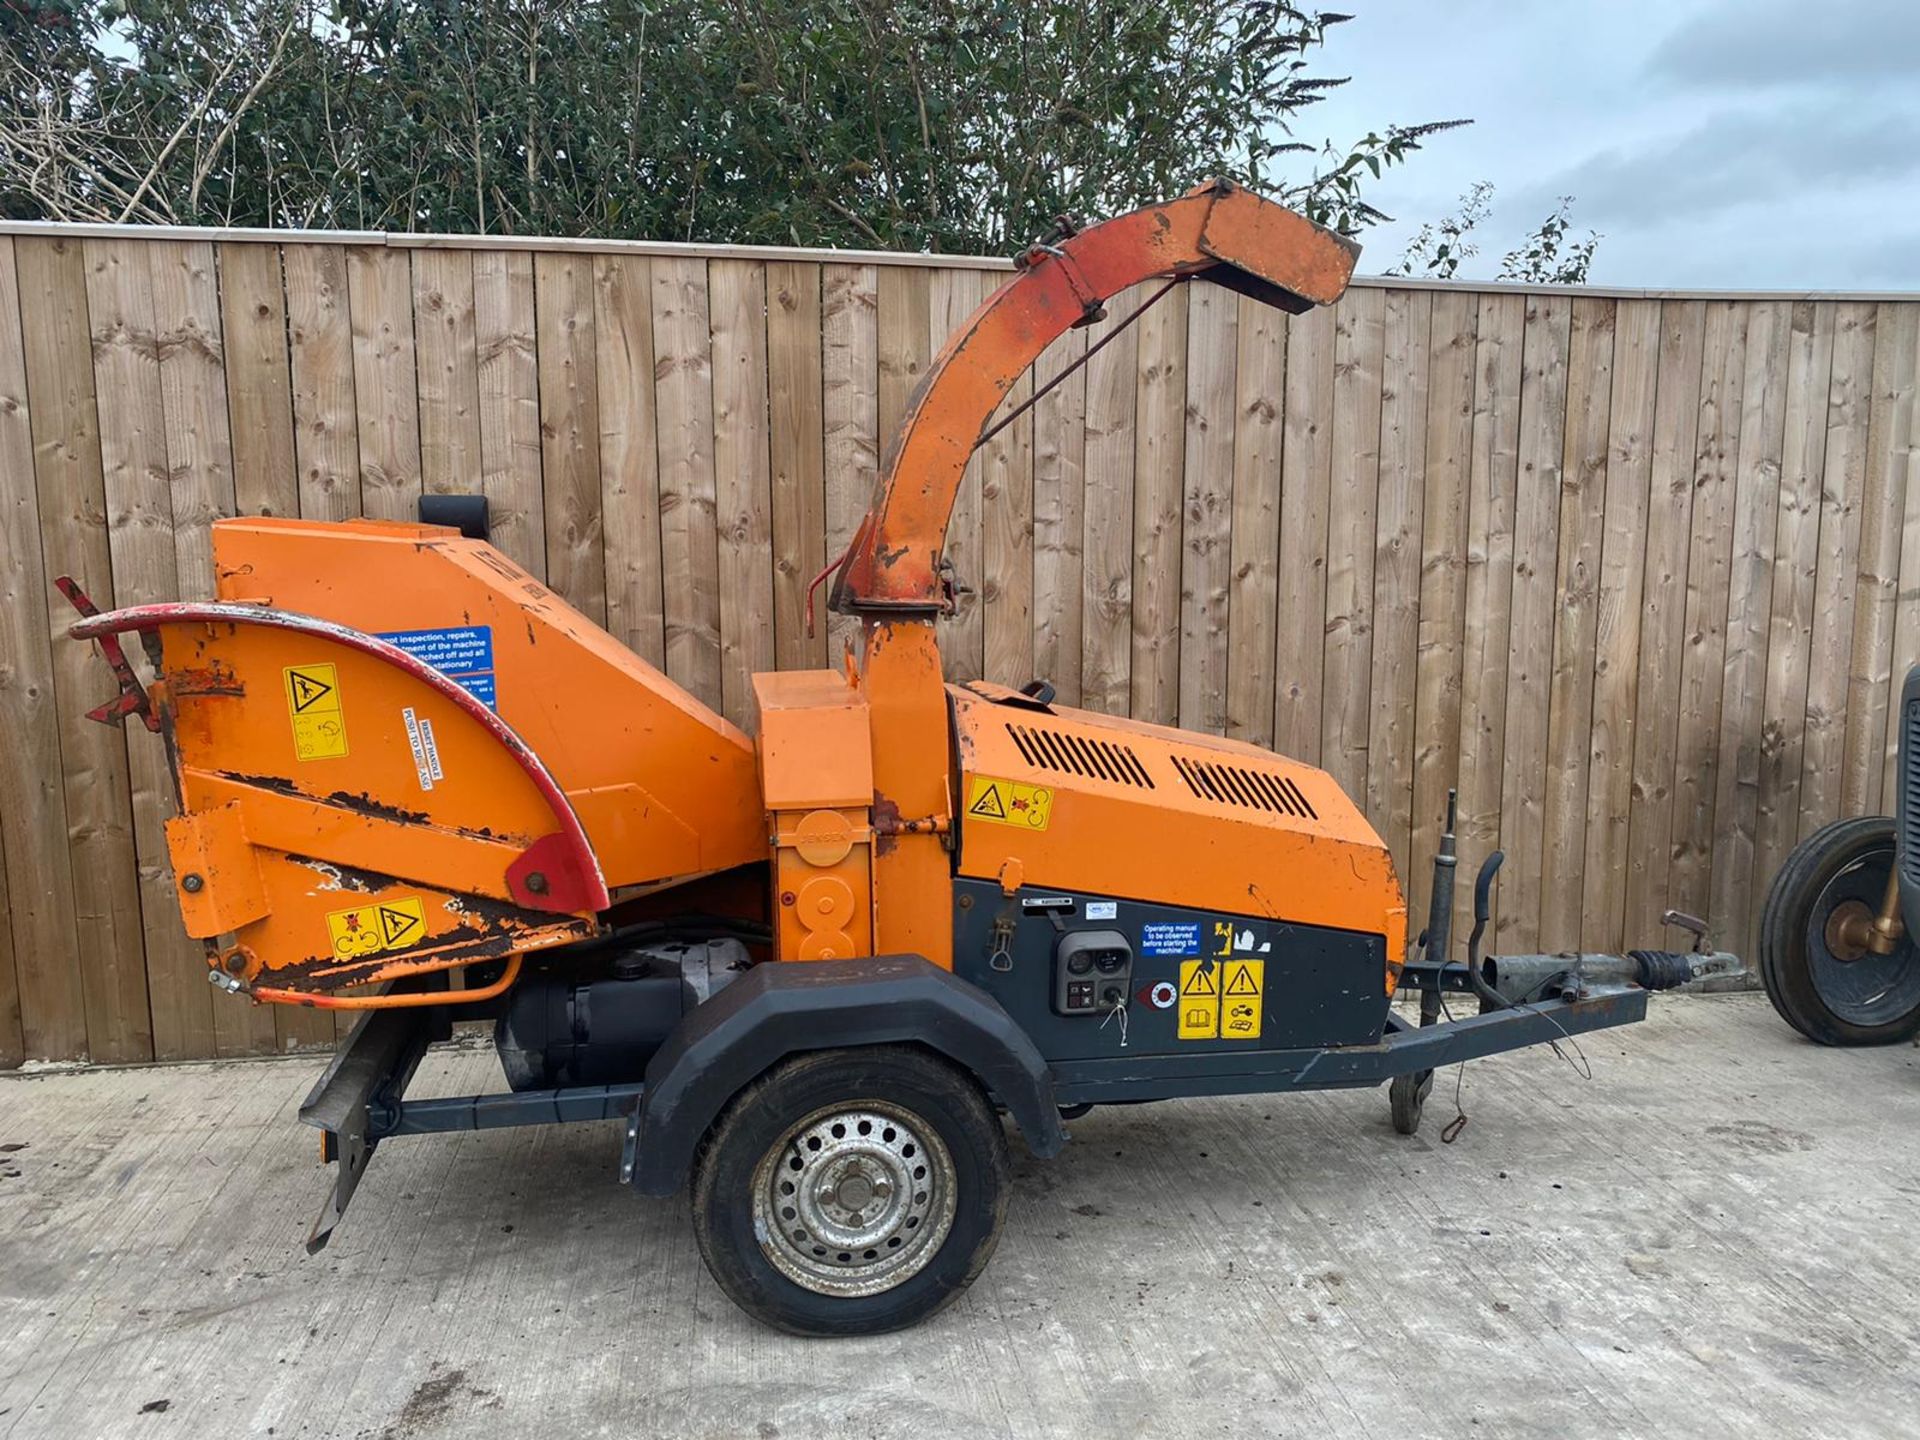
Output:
x=1164 y=938
x=462 y=653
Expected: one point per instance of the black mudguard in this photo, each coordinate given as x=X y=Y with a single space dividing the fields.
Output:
x=781 y=1009
x=1906 y=802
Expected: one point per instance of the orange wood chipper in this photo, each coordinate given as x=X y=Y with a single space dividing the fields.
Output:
x=809 y=965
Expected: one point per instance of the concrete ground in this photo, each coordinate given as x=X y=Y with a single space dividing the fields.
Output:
x=1712 y=1237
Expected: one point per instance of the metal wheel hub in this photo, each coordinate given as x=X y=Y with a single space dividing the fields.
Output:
x=1857 y=985
x=854 y=1199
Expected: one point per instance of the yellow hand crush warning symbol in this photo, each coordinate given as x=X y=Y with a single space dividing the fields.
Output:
x=1221 y=1000
x=1009 y=802
x=369 y=929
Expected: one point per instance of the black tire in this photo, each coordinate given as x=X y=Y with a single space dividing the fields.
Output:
x=917 y=1103
x=1407 y=1098
x=1831 y=999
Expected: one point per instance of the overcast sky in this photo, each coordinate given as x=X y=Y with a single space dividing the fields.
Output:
x=1713 y=143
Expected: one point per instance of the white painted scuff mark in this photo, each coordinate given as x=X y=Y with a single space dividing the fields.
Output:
x=330 y=878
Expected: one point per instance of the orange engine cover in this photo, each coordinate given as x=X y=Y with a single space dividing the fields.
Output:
x=1064 y=798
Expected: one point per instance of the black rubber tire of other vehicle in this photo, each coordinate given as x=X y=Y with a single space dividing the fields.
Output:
x=1861 y=846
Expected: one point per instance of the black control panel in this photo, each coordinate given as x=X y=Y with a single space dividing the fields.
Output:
x=1092 y=972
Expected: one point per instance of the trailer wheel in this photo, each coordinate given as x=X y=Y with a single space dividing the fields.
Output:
x=1407 y=1097
x=1833 y=992
x=851 y=1192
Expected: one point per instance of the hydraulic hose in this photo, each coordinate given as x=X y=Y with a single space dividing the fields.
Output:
x=1490 y=999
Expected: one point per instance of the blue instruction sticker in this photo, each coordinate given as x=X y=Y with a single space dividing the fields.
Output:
x=1170 y=939
x=462 y=653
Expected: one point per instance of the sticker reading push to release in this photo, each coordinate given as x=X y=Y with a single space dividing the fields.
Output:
x=1010 y=802
x=462 y=653
x=313 y=704
x=370 y=929
x=426 y=754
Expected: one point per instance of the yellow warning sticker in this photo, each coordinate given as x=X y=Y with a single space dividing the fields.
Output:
x=370 y=929
x=1221 y=999
x=1241 y=995
x=313 y=703
x=1199 y=1000
x=1009 y=802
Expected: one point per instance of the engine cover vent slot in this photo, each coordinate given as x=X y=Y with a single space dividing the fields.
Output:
x=1082 y=755
x=1250 y=789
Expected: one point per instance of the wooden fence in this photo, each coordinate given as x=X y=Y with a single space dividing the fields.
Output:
x=1631 y=571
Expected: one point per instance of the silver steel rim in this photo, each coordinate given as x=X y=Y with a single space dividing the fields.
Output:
x=854 y=1199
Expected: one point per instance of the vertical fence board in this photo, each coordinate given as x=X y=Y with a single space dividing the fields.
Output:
x=905 y=323
x=1159 y=464
x=1443 y=577
x=38 y=876
x=1253 y=533
x=505 y=338
x=904 y=340
x=1709 y=566
x=140 y=534
x=1749 y=606
x=1359 y=341
x=1616 y=669
x=798 y=457
x=1207 y=481
x=629 y=453
x=1059 y=514
x=963 y=645
x=570 y=430
x=1306 y=479
x=1006 y=539
x=325 y=420
x=1902 y=459
x=1843 y=480
x=259 y=376
x=193 y=390
x=385 y=380
x=1663 y=602
x=1391 y=689
x=1106 y=665
x=743 y=483
x=689 y=540
x=1796 y=558
x=1889 y=442
x=849 y=360
x=1543 y=403
x=1583 y=496
x=449 y=384
x=1493 y=475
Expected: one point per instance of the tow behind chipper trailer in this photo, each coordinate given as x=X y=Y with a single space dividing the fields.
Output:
x=806 y=965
